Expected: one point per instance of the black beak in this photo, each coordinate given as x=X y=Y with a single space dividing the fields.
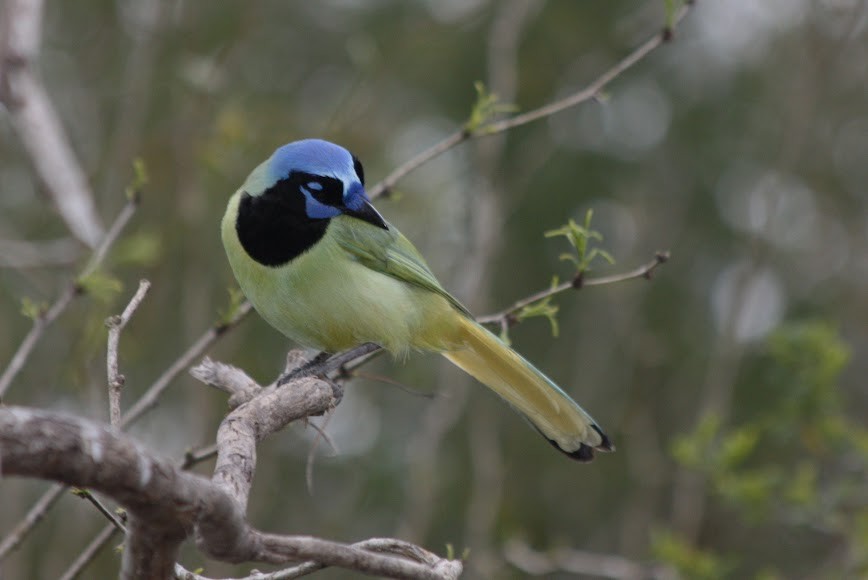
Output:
x=368 y=213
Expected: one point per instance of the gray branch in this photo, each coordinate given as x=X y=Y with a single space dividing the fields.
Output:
x=167 y=505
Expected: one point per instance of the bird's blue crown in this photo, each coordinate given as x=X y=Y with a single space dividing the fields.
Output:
x=320 y=159
x=314 y=156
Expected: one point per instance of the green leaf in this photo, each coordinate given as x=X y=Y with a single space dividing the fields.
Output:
x=544 y=308
x=671 y=7
x=487 y=106
x=100 y=285
x=79 y=492
x=581 y=238
x=139 y=180
x=236 y=299
x=32 y=309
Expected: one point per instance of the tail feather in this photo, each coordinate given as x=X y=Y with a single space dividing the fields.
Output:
x=549 y=410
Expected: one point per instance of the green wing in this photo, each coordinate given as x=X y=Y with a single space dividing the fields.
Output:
x=390 y=253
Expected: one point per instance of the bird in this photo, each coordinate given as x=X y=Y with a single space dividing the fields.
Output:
x=322 y=266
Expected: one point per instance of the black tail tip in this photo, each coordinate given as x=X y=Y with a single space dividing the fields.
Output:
x=606 y=444
x=585 y=453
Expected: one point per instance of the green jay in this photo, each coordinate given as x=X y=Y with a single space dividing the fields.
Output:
x=321 y=265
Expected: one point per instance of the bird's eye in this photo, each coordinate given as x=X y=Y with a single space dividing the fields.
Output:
x=324 y=189
x=360 y=171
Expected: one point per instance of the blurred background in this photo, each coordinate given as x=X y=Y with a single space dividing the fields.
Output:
x=733 y=382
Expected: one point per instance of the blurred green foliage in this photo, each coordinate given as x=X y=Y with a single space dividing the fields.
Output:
x=687 y=560
x=793 y=457
x=487 y=107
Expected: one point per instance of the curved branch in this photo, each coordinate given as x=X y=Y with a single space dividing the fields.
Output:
x=587 y=93
x=167 y=504
x=507 y=315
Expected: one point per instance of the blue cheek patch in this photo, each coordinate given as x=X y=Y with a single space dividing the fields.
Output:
x=317 y=210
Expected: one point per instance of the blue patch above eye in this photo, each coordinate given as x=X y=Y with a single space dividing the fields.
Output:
x=314 y=185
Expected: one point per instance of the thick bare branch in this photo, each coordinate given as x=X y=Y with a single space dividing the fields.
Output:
x=166 y=504
x=147 y=402
x=266 y=413
x=228 y=379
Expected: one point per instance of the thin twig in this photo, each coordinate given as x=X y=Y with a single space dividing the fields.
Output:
x=507 y=315
x=589 y=92
x=152 y=395
x=311 y=455
x=321 y=431
x=40 y=323
x=73 y=289
x=33 y=517
x=390 y=381
x=422 y=158
x=195 y=456
x=112 y=235
x=90 y=552
x=116 y=325
x=593 y=90
x=109 y=515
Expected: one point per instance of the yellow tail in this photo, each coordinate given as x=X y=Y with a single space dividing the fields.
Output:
x=549 y=409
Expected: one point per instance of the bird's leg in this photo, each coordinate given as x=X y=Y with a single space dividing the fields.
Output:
x=324 y=362
x=308 y=369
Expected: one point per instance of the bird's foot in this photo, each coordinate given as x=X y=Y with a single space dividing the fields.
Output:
x=308 y=369
x=325 y=362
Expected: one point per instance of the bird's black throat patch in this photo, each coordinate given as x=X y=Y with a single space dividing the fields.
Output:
x=273 y=227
